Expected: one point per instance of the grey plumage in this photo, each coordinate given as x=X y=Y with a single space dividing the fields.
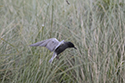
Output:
x=50 y=44
x=54 y=45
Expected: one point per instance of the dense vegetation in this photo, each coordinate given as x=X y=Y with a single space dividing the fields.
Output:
x=96 y=27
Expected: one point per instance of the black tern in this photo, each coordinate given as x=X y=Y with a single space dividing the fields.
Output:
x=54 y=46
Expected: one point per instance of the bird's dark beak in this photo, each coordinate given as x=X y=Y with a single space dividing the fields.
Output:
x=75 y=48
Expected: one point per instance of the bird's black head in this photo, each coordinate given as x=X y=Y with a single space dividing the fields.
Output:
x=70 y=45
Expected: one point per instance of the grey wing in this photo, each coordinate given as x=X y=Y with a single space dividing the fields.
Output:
x=42 y=43
x=54 y=55
x=49 y=43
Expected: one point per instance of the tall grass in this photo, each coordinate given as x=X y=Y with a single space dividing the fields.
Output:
x=96 y=27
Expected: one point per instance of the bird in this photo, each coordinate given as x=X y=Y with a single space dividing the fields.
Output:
x=54 y=46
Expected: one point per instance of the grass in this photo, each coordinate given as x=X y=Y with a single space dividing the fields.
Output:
x=97 y=28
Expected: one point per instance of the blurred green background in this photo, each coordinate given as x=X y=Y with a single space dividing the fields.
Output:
x=96 y=27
